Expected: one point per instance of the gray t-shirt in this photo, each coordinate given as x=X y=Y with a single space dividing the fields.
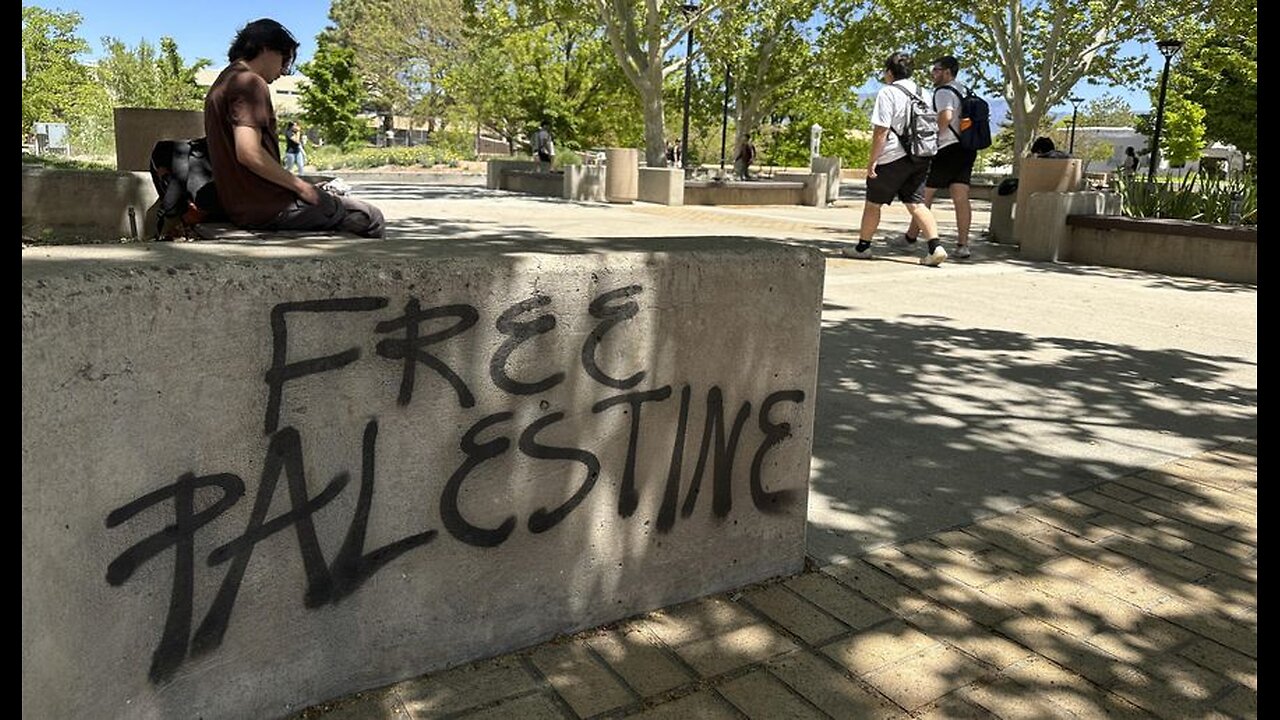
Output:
x=944 y=99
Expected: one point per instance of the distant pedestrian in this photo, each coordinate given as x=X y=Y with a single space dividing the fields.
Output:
x=1043 y=147
x=892 y=173
x=543 y=147
x=295 y=158
x=1130 y=165
x=746 y=156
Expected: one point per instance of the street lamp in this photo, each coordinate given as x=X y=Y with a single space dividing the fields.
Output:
x=1075 y=111
x=689 y=9
x=1168 y=48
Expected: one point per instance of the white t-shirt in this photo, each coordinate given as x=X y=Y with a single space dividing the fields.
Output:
x=942 y=100
x=890 y=112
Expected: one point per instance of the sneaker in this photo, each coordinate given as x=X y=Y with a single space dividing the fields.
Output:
x=962 y=252
x=935 y=258
x=853 y=252
x=903 y=240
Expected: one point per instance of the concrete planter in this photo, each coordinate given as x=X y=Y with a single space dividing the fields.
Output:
x=623 y=177
x=1177 y=247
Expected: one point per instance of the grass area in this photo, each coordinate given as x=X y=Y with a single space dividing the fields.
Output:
x=64 y=163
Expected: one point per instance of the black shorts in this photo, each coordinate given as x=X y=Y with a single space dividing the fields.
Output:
x=953 y=164
x=903 y=179
x=544 y=156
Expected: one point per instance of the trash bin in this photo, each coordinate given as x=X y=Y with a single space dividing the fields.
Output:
x=1001 y=230
x=622 y=174
x=1044 y=175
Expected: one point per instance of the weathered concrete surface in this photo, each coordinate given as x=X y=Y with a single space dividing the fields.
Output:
x=664 y=186
x=341 y=538
x=1045 y=214
x=753 y=192
x=89 y=204
x=584 y=182
x=1167 y=246
x=622 y=174
x=139 y=129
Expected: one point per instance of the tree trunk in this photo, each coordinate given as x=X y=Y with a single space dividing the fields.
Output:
x=655 y=134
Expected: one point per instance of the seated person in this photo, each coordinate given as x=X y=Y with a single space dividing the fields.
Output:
x=253 y=187
x=1043 y=148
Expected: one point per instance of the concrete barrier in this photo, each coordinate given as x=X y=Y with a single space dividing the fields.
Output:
x=138 y=130
x=87 y=205
x=1060 y=175
x=664 y=186
x=494 y=170
x=815 y=187
x=1177 y=247
x=829 y=166
x=746 y=192
x=258 y=477
x=1045 y=235
x=584 y=182
x=545 y=184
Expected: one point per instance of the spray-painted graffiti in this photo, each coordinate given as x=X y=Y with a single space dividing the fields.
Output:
x=411 y=341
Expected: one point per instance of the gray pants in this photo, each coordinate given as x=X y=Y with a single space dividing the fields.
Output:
x=331 y=213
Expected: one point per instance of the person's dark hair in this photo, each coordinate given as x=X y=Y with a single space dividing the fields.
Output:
x=1129 y=151
x=899 y=64
x=263 y=34
x=1042 y=145
x=950 y=63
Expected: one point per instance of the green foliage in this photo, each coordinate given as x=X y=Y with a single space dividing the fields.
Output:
x=334 y=95
x=1196 y=196
x=141 y=78
x=57 y=88
x=1218 y=71
x=63 y=163
x=330 y=157
x=1107 y=110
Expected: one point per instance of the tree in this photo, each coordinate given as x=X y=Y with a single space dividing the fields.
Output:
x=402 y=48
x=333 y=95
x=1107 y=111
x=58 y=88
x=643 y=37
x=1218 y=70
x=141 y=78
x=1036 y=52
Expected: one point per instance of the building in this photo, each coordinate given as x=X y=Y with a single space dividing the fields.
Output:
x=286 y=91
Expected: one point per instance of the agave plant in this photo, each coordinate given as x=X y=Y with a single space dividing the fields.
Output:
x=1195 y=196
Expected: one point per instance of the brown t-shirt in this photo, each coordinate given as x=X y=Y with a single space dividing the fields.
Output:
x=240 y=97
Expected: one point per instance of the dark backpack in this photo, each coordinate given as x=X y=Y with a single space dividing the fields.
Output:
x=920 y=133
x=183 y=176
x=975 y=120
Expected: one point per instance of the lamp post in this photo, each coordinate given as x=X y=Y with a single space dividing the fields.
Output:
x=689 y=8
x=1075 y=112
x=1168 y=48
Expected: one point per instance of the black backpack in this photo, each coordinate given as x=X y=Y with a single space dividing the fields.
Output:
x=183 y=176
x=975 y=120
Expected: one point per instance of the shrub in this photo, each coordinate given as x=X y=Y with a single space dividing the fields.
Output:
x=1196 y=196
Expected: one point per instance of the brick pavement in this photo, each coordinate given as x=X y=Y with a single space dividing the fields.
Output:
x=1136 y=597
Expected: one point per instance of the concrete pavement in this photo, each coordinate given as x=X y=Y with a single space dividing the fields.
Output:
x=1033 y=493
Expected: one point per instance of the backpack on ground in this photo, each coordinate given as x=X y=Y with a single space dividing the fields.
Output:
x=920 y=134
x=975 y=120
x=183 y=175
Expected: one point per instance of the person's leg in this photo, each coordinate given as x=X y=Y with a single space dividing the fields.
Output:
x=913 y=231
x=361 y=218
x=964 y=215
x=912 y=195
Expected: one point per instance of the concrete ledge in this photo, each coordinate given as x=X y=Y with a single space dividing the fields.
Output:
x=494 y=170
x=664 y=186
x=375 y=459
x=85 y=204
x=829 y=166
x=546 y=184
x=750 y=192
x=1177 y=247
x=815 y=186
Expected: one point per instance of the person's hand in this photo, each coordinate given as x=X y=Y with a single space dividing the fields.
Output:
x=871 y=171
x=309 y=194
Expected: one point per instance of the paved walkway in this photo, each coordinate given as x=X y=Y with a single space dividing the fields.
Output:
x=1033 y=494
x=1135 y=598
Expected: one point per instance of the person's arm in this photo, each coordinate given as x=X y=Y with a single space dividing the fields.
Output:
x=879 y=136
x=250 y=154
x=944 y=119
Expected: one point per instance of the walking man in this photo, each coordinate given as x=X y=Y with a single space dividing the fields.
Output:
x=952 y=167
x=892 y=172
x=256 y=191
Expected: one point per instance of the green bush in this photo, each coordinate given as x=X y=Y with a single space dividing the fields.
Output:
x=1196 y=196
x=333 y=158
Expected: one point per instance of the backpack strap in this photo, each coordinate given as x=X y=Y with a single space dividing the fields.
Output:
x=907 y=120
x=958 y=112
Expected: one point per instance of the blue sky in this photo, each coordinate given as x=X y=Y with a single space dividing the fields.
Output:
x=206 y=30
